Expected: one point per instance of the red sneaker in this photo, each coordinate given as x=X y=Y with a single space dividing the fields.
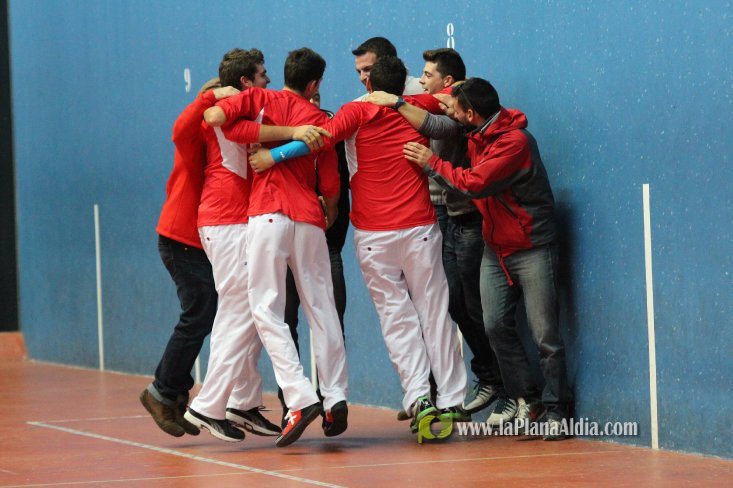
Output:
x=298 y=420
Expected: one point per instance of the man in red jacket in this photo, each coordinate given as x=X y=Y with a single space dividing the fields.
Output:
x=398 y=245
x=181 y=251
x=286 y=228
x=509 y=184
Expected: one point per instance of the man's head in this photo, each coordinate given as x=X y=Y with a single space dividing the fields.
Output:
x=243 y=69
x=368 y=53
x=388 y=74
x=210 y=85
x=303 y=71
x=475 y=101
x=443 y=67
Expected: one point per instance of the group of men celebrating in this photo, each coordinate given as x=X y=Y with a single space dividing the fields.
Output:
x=453 y=221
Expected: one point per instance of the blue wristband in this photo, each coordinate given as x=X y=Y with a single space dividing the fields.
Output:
x=290 y=150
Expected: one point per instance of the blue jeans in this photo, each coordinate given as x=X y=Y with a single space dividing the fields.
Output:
x=191 y=272
x=534 y=273
x=463 y=247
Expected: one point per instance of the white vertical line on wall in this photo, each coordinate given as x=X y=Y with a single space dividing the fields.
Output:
x=650 y=318
x=100 y=323
x=460 y=341
x=197 y=369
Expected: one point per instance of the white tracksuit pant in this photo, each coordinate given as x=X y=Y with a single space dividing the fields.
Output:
x=275 y=242
x=232 y=379
x=403 y=270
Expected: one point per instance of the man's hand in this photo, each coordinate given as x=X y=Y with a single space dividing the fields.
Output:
x=417 y=153
x=330 y=209
x=446 y=103
x=311 y=135
x=224 y=92
x=261 y=160
x=381 y=98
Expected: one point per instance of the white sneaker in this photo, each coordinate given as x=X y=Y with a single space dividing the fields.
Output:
x=485 y=394
x=504 y=411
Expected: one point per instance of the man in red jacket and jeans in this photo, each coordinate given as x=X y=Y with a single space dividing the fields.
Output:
x=509 y=185
x=181 y=251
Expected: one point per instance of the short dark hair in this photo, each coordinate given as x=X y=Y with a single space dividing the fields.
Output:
x=388 y=74
x=380 y=46
x=479 y=95
x=237 y=63
x=447 y=62
x=303 y=66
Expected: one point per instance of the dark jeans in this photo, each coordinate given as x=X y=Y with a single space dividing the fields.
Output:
x=463 y=247
x=191 y=272
x=534 y=273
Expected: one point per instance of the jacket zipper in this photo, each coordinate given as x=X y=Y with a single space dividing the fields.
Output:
x=509 y=209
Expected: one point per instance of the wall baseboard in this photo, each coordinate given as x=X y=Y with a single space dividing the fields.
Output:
x=12 y=346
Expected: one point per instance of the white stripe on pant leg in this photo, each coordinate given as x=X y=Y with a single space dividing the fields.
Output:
x=311 y=267
x=269 y=240
x=379 y=258
x=423 y=268
x=314 y=369
x=248 y=394
x=234 y=338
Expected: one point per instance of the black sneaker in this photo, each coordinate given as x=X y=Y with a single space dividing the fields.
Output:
x=297 y=421
x=555 y=428
x=253 y=421
x=334 y=420
x=484 y=394
x=402 y=415
x=164 y=415
x=504 y=411
x=221 y=429
x=421 y=409
x=284 y=419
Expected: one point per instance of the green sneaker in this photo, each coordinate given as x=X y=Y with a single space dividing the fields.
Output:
x=421 y=409
x=454 y=414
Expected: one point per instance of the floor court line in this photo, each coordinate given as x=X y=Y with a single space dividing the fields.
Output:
x=173 y=452
x=92 y=419
x=374 y=465
x=460 y=460
x=125 y=480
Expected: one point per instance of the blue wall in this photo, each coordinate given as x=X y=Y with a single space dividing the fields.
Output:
x=618 y=94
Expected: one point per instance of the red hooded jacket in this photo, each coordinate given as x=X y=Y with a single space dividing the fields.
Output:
x=508 y=183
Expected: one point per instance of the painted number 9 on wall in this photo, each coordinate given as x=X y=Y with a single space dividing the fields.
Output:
x=187 y=79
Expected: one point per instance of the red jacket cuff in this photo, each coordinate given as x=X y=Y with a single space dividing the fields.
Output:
x=433 y=161
x=209 y=97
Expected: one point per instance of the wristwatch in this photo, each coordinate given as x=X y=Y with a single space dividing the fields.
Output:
x=400 y=102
